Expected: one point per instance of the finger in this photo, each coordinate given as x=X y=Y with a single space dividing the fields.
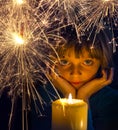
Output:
x=110 y=77
x=104 y=74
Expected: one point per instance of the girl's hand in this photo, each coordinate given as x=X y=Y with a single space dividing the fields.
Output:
x=94 y=85
x=62 y=85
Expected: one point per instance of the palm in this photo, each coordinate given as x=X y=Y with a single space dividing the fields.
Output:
x=94 y=85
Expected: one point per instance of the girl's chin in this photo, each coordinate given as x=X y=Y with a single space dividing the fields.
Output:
x=76 y=86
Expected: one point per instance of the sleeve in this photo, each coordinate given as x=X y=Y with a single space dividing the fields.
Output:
x=90 y=122
x=104 y=108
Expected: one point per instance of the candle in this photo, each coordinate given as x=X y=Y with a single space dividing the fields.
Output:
x=69 y=114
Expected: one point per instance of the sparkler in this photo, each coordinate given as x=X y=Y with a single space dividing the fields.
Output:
x=100 y=14
x=24 y=39
x=86 y=15
x=26 y=27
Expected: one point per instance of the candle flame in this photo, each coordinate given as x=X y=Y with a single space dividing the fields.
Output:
x=70 y=99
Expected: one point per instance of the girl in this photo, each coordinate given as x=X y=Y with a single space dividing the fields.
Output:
x=85 y=70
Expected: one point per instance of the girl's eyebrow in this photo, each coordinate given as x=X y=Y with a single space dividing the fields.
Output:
x=88 y=58
x=84 y=58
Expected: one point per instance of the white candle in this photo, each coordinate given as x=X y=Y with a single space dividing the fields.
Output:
x=69 y=114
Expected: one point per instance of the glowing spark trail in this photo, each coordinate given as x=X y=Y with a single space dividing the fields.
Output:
x=99 y=13
x=18 y=2
x=18 y=39
x=24 y=51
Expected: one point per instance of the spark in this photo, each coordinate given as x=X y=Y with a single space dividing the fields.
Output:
x=25 y=50
x=99 y=14
x=106 y=0
x=19 y=2
x=18 y=39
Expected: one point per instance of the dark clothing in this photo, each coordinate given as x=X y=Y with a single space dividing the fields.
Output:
x=103 y=112
x=104 y=108
x=6 y=112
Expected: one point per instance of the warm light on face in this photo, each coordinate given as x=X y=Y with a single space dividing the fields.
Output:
x=18 y=39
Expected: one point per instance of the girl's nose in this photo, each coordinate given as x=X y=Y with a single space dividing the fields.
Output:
x=75 y=70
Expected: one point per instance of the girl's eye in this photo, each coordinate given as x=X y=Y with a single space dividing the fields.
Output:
x=64 y=62
x=88 y=62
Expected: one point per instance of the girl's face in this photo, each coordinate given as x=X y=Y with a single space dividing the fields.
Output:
x=78 y=70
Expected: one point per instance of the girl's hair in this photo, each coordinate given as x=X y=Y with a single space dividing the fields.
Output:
x=99 y=47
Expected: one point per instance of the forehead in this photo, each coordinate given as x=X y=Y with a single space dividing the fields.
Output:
x=72 y=52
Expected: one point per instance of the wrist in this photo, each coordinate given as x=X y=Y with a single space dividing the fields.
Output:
x=83 y=96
